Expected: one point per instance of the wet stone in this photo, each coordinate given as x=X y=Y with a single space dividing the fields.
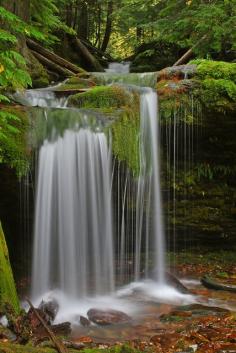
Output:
x=50 y=309
x=84 y=321
x=107 y=317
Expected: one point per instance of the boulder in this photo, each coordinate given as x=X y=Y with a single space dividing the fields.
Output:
x=107 y=317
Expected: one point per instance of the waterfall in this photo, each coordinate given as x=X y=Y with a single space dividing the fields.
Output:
x=73 y=246
x=74 y=236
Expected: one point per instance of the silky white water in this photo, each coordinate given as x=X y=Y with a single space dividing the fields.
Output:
x=149 y=192
x=73 y=245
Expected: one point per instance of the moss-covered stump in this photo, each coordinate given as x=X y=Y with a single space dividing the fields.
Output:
x=8 y=293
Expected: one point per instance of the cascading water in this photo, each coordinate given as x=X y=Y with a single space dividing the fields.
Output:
x=74 y=240
x=73 y=248
x=149 y=188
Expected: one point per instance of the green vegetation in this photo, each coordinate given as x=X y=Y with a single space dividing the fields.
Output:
x=103 y=97
x=8 y=293
x=124 y=106
x=15 y=348
x=218 y=88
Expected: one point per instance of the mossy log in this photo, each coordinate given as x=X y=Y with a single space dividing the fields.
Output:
x=211 y=284
x=8 y=294
x=53 y=66
x=53 y=57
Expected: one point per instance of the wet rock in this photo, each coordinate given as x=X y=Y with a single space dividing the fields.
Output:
x=107 y=317
x=50 y=309
x=84 y=321
x=181 y=71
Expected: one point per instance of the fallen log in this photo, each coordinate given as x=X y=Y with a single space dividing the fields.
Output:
x=86 y=54
x=52 y=66
x=184 y=58
x=53 y=57
x=209 y=283
x=59 y=345
x=97 y=50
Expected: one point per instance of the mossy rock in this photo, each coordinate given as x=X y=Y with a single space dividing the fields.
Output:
x=103 y=97
x=212 y=83
x=218 y=87
x=8 y=294
x=76 y=82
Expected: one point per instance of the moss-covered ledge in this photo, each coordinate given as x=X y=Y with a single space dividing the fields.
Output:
x=213 y=83
x=122 y=104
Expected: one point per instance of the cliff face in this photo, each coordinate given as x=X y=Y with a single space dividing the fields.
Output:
x=197 y=104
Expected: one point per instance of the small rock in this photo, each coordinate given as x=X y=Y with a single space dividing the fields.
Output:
x=107 y=317
x=84 y=321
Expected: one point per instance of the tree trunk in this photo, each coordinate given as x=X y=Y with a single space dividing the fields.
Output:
x=52 y=66
x=83 y=20
x=108 y=26
x=54 y=57
x=184 y=58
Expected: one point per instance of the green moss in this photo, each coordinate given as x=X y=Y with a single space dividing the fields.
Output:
x=101 y=97
x=16 y=348
x=125 y=140
x=124 y=106
x=218 y=89
x=215 y=69
x=8 y=293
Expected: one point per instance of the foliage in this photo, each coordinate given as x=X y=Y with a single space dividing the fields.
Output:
x=13 y=75
x=8 y=293
x=181 y=22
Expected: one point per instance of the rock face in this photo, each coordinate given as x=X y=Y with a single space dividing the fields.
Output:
x=107 y=317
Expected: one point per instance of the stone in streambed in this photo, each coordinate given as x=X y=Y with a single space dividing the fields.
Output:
x=107 y=317
x=84 y=321
x=50 y=309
